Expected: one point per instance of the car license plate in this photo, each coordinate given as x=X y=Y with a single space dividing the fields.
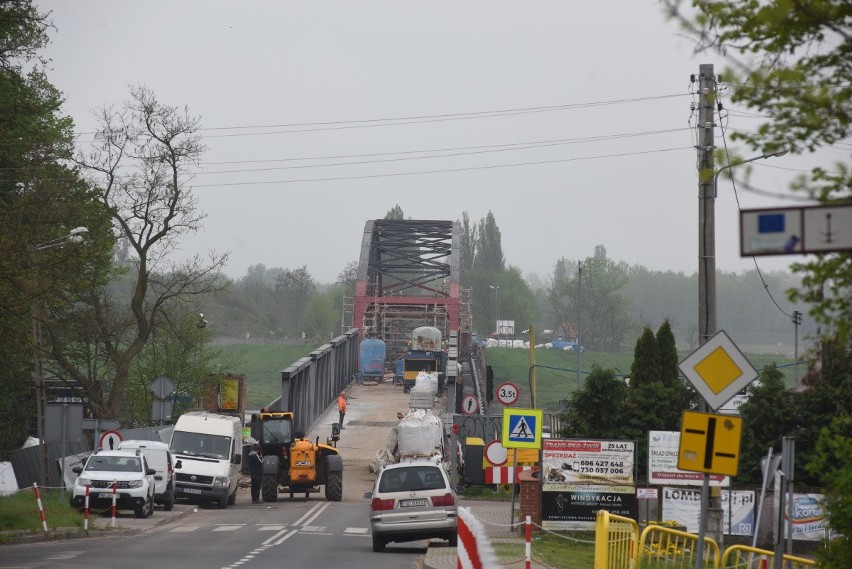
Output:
x=420 y=502
x=105 y=495
x=192 y=490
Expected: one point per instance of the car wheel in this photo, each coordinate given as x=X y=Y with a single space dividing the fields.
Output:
x=222 y=503
x=269 y=488
x=169 y=504
x=378 y=544
x=144 y=510
x=232 y=499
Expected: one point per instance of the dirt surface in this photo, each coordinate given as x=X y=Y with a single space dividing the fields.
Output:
x=370 y=414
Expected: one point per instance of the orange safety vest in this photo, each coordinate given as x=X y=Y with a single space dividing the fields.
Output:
x=341 y=404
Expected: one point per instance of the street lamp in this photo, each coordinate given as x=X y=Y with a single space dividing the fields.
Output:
x=496 y=290
x=76 y=235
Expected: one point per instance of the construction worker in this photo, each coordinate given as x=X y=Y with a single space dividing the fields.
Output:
x=341 y=407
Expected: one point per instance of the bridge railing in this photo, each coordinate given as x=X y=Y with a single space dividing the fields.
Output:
x=310 y=384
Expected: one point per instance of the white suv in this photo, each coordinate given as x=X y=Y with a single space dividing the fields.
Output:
x=128 y=469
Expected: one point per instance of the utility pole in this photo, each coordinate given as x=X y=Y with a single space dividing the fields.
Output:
x=711 y=523
x=797 y=321
x=579 y=316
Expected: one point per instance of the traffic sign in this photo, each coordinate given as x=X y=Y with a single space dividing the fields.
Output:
x=496 y=454
x=109 y=440
x=710 y=443
x=522 y=428
x=507 y=393
x=718 y=370
x=795 y=230
x=470 y=405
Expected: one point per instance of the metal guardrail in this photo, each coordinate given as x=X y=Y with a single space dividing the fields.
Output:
x=745 y=557
x=616 y=538
x=674 y=548
x=310 y=384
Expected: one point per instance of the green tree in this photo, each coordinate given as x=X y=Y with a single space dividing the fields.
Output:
x=832 y=462
x=295 y=287
x=645 y=368
x=790 y=62
x=598 y=409
x=395 y=213
x=489 y=246
x=41 y=199
x=769 y=414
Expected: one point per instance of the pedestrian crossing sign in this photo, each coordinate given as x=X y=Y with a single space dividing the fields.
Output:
x=522 y=428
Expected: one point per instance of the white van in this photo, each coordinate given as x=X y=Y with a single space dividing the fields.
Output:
x=160 y=459
x=208 y=448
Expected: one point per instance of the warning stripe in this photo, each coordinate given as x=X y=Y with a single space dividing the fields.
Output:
x=503 y=474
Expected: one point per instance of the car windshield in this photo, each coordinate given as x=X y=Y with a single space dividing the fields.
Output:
x=412 y=478
x=277 y=431
x=114 y=464
x=198 y=444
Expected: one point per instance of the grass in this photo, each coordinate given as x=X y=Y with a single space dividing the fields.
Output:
x=262 y=365
x=19 y=511
x=556 y=376
x=553 y=549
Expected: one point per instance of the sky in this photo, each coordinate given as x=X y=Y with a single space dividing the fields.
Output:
x=570 y=121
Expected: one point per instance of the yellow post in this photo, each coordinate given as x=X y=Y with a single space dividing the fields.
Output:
x=532 y=367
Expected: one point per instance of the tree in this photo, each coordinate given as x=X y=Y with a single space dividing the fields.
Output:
x=140 y=167
x=295 y=287
x=41 y=199
x=769 y=414
x=790 y=62
x=645 y=368
x=605 y=316
x=395 y=213
x=489 y=247
x=467 y=244
x=833 y=462
x=597 y=409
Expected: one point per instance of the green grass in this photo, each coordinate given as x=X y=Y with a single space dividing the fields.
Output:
x=19 y=511
x=556 y=376
x=553 y=549
x=262 y=365
x=553 y=385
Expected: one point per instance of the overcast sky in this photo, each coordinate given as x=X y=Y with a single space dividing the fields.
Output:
x=596 y=146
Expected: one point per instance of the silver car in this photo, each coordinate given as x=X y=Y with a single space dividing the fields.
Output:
x=410 y=502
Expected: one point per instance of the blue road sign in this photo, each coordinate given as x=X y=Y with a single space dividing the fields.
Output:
x=522 y=428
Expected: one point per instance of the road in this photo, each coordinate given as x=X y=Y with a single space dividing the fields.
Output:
x=299 y=533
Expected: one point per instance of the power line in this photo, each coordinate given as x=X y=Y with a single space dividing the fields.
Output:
x=440 y=171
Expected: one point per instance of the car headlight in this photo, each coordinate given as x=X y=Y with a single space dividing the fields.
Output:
x=220 y=482
x=81 y=481
x=134 y=483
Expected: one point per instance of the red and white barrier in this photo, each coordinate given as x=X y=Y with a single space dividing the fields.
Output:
x=504 y=474
x=528 y=544
x=474 y=550
x=40 y=507
x=114 y=498
x=86 y=510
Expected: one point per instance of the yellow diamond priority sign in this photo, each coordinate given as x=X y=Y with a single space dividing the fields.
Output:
x=710 y=443
x=718 y=370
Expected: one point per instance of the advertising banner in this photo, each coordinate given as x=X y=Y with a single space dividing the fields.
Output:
x=576 y=509
x=810 y=521
x=582 y=461
x=684 y=505
x=662 y=463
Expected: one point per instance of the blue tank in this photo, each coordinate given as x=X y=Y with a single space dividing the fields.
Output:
x=371 y=362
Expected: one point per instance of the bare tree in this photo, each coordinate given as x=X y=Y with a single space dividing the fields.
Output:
x=140 y=168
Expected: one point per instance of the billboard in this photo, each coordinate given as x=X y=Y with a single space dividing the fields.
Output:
x=663 y=449
x=684 y=505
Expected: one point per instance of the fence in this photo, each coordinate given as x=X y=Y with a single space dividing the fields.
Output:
x=744 y=557
x=615 y=541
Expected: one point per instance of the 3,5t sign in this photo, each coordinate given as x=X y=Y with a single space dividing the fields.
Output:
x=507 y=393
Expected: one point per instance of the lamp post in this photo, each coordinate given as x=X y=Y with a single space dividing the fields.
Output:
x=76 y=235
x=496 y=290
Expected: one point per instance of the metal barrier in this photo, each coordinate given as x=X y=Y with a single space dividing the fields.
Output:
x=668 y=547
x=311 y=384
x=745 y=557
x=616 y=538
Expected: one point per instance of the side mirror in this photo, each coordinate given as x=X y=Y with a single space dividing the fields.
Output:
x=77 y=469
x=238 y=458
x=178 y=464
x=151 y=472
x=368 y=495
